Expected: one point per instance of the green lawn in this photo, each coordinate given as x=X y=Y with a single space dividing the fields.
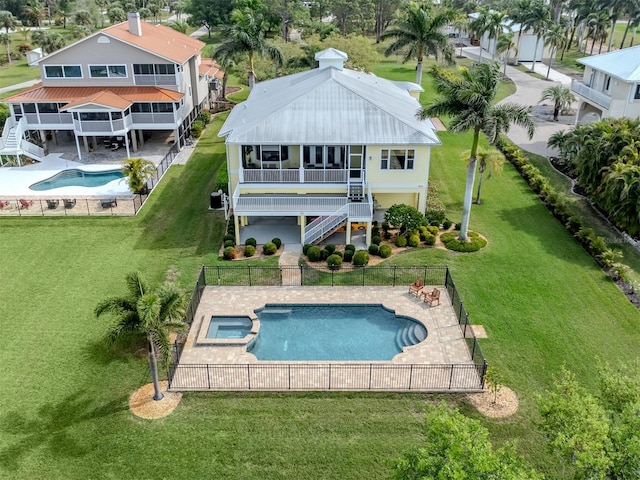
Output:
x=63 y=401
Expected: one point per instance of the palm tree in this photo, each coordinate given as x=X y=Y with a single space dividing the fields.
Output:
x=246 y=36
x=5 y=38
x=561 y=96
x=633 y=9
x=480 y=25
x=490 y=160
x=616 y=8
x=419 y=33
x=179 y=26
x=504 y=45
x=538 y=19
x=34 y=12
x=116 y=14
x=138 y=171
x=83 y=17
x=517 y=14
x=7 y=20
x=152 y=314
x=468 y=99
x=555 y=38
x=461 y=24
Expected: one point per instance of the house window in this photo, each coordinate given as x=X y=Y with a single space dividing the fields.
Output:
x=141 y=108
x=48 y=107
x=143 y=69
x=63 y=71
x=637 y=94
x=396 y=159
x=116 y=115
x=108 y=71
x=94 y=116
x=162 y=107
x=607 y=83
x=29 y=107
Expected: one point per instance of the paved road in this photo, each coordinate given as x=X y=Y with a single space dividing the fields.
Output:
x=528 y=92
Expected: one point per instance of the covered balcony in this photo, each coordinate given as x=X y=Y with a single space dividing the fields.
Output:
x=591 y=94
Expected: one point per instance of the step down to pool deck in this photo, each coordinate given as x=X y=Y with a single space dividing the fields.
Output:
x=277 y=311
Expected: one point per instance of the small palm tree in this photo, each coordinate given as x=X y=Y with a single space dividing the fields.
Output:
x=138 y=171
x=179 y=26
x=468 y=98
x=538 y=19
x=153 y=314
x=561 y=96
x=246 y=36
x=504 y=45
x=555 y=38
x=7 y=20
x=419 y=33
x=5 y=39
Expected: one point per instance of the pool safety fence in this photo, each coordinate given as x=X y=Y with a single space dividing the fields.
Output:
x=326 y=376
x=461 y=377
x=83 y=206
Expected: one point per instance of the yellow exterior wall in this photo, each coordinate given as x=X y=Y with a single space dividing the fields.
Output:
x=387 y=199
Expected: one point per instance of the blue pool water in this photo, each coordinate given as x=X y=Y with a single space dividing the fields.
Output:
x=229 y=327
x=333 y=332
x=77 y=178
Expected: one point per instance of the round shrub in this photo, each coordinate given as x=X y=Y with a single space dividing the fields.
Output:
x=473 y=243
x=334 y=261
x=313 y=253
x=401 y=241
x=251 y=241
x=348 y=255
x=249 y=250
x=306 y=247
x=228 y=236
x=414 y=241
x=205 y=117
x=430 y=239
x=373 y=249
x=446 y=224
x=277 y=242
x=324 y=254
x=433 y=230
x=376 y=240
x=351 y=247
x=330 y=248
x=229 y=253
x=269 y=248
x=361 y=258
x=385 y=251
x=229 y=243
x=196 y=128
x=423 y=232
x=339 y=253
x=385 y=226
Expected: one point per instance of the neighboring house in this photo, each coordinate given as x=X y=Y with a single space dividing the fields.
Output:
x=122 y=82
x=321 y=145
x=610 y=86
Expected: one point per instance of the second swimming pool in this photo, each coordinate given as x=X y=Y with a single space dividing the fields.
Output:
x=333 y=332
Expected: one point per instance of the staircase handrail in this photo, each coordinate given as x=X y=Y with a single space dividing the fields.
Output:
x=326 y=224
x=32 y=149
x=9 y=123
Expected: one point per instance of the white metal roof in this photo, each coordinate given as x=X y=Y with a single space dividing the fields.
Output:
x=622 y=64
x=328 y=106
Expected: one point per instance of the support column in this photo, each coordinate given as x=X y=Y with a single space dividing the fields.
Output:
x=78 y=147
x=348 y=235
x=368 y=237
x=422 y=201
x=302 y=220
x=86 y=144
x=141 y=138
x=177 y=138
x=126 y=144
x=236 y=224
x=43 y=139
x=134 y=141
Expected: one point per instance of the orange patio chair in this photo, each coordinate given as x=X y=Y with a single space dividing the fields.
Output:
x=25 y=203
x=416 y=286
x=433 y=296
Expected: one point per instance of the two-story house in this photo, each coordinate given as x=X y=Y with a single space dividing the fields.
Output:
x=322 y=145
x=120 y=82
x=610 y=86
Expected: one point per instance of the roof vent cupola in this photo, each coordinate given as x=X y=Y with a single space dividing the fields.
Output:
x=134 y=23
x=331 y=58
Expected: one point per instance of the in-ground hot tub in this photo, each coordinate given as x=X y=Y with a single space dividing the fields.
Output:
x=229 y=326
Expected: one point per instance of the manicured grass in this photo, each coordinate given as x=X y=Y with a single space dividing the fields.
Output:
x=17 y=72
x=63 y=401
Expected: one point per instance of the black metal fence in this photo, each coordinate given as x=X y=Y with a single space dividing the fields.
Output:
x=334 y=376
x=70 y=206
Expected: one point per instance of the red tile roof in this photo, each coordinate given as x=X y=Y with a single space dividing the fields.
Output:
x=211 y=68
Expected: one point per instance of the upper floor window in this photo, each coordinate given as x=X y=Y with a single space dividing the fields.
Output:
x=396 y=159
x=637 y=94
x=108 y=71
x=154 y=69
x=607 y=83
x=63 y=71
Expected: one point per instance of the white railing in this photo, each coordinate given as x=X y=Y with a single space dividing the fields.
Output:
x=591 y=94
x=168 y=118
x=271 y=176
x=323 y=225
x=169 y=79
x=278 y=205
x=9 y=123
x=32 y=149
x=55 y=118
x=325 y=175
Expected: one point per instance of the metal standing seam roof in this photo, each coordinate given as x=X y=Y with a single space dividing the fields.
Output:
x=329 y=105
x=211 y=68
x=622 y=64
x=38 y=93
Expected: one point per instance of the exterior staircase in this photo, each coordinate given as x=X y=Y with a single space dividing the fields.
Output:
x=13 y=141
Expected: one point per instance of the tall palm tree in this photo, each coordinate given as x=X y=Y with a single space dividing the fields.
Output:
x=555 y=38
x=517 y=14
x=480 y=25
x=633 y=10
x=504 y=45
x=561 y=96
x=418 y=33
x=7 y=20
x=246 y=36
x=153 y=314
x=461 y=24
x=468 y=99
x=537 y=20
x=616 y=8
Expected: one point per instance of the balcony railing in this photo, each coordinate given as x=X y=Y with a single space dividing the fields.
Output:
x=294 y=175
x=167 y=118
x=592 y=94
x=106 y=126
x=155 y=79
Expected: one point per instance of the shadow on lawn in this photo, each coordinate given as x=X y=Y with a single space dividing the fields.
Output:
x=50 y=428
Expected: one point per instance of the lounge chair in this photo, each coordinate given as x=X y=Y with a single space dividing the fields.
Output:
x=25 y=203
x=69 y=202
x=53 y=204
x=416 y=286
x=433 y=296
x=109 y=202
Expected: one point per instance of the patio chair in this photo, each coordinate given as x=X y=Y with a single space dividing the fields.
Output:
x=433 y=296
x=109 y=202
x=25 y=203
x=4 y=203
x=416 y=286
x=69 y=202
x=52 y=204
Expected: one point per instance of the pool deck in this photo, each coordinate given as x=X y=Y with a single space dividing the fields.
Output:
x=444 y=345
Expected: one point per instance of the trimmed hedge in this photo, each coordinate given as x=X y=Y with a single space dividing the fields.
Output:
x=414 y=241
x=277 y=242
x=385 y=251
x=229 y=253
x=269 y=248
x=334 y=261
x=473 y=244
x=373 y=249
x=306 y=247
x=430 y=239
x=361 y=258
x=249 y=250
x=229 y=236
x=351 y=247
x=348 y=255
x=313 y=253
x=251 y=241
x=229 y=243
x=330 y=248
x=401 y=241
